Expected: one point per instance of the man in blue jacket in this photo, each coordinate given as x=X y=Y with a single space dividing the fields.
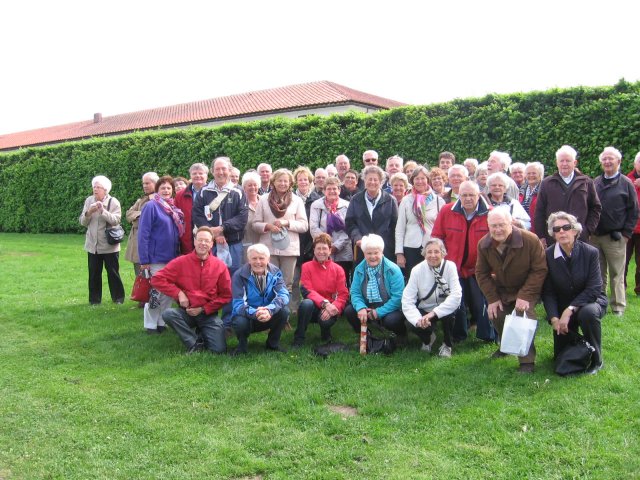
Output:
x=260 y=300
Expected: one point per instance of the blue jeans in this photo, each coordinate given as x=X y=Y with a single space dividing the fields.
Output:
x=210 y=327
x=472 y=298
x=236 y=262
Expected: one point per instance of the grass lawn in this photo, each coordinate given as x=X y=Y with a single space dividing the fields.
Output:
x=85 y=393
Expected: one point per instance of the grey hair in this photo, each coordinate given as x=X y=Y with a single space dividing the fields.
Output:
x=637 y=158
x=613 y=150
x=472 y=161
x=396 y=157
x=103 y=181
x=372 y=241
x=224 y=159
x=417 y=171
x=462 y=168
x=264 y=165
x=376 y=170
x=152 y=175
x=502 y=211
x=575 y=224
x=569 y=150
x=375 y=154
x=470 y=183
x=504 y=157
x=435 y=241
x=517 y=166
x=482 y=167
x=251 y=176
x=399 y=176
x=499 y=176
x=259 y=248
x=537 y=166
x=199 y=166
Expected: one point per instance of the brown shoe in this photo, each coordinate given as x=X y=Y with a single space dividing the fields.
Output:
x=498 y=354
x=526 y=368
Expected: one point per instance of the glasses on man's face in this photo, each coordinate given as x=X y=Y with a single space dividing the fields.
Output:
x=566 y=228
x=370 y=160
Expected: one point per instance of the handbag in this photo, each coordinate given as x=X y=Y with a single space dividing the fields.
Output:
x=575 y=357
x=141 y=289
x=517 y=334
x=114 y=234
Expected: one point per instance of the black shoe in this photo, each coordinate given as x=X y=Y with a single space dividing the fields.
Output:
x=161 y=328
x=498 y=354
x=595 y=369
x=297 y=344
x=195 y=348
x=119 y=301
x=236 y=352
x=152 y=331
x=526 y=368
x=277 y=349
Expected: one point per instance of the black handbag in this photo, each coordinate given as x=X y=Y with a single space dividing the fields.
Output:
x=576 y=357
x=114 y=234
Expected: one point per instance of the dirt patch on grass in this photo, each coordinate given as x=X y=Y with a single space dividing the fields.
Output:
x=343 y=410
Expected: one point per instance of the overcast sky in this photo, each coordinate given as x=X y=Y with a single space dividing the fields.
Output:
x=65 y=60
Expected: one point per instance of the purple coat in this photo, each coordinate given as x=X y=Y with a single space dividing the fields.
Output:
x=158 y=238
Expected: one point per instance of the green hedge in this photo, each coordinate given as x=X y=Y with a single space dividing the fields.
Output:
x=43 y=189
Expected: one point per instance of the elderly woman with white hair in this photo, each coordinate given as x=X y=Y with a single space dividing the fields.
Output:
x=533 y=174
x=497 y=196
x=376 y=290
x=101 y=211
x=433 y=294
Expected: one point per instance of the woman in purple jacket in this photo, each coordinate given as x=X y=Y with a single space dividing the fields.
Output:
x=159 y=230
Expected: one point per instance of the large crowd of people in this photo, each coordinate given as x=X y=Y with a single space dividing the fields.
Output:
x=404 y=248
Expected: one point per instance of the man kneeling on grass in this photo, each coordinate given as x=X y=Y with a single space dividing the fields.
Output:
x=260 y=300
x=201 y=285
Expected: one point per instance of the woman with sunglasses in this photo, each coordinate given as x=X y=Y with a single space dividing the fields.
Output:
x=572 y=294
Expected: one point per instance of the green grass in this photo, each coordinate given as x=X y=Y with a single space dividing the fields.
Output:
x=85 y=393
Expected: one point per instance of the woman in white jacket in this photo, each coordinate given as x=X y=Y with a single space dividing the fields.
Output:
x=278 y=212
x=433 y=294
x=416 y=214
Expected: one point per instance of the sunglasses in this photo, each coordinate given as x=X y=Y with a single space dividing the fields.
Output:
x=566 y=228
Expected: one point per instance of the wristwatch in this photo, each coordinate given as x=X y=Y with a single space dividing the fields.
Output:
x=325 y=302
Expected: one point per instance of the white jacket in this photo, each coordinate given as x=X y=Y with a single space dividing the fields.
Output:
x=408 y=232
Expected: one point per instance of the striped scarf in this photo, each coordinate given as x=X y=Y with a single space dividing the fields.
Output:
x=373 y=290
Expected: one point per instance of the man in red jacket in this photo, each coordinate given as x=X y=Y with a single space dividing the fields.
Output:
x=460 y=226
x=184 y=201
x=201 y=285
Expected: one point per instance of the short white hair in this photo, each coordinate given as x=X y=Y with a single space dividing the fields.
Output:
x=259 y=248
x=500 y=211
x=103 y=181
x=227 y=160
x=569 y=150
x=504 y=157
x=637 y=160
x=372 y=241
x=517 y=166
x=250 y=176
x=462 y=168
x=153 y=176
x=537 y=166
x=199 y=166
x=372 y=152
x=498 y=176
x=262 y=165
x=472 y=161
x=611 y=150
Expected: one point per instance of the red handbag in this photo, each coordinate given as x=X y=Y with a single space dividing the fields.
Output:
x=141 y=287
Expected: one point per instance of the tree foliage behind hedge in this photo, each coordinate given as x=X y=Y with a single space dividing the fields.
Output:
x=43 y=189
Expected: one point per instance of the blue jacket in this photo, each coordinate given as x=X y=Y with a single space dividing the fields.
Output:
x=390 y=279
x=158 y=238
x=234 y=211
x=247 y=298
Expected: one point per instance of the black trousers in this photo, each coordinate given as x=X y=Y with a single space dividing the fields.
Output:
x=309 y=313
x=243 y=326
x=393 y=321
x=588 y=319
x=424 y=334
x=110 y=262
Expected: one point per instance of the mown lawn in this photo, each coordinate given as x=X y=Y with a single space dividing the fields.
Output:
x=85 y=393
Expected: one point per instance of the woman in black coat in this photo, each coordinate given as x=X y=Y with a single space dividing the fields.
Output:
x=373 y=211
x=572 y=294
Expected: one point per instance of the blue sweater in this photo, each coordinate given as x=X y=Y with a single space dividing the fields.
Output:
x=247 y=298
x=158 y=239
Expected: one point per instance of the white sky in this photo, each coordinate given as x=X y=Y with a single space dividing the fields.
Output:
x=65 y=60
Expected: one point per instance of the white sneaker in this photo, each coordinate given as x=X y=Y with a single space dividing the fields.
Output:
x=427 y=348
x=445 y=351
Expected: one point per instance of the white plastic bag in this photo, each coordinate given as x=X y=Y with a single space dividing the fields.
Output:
x=517 y=334
x=223 y=253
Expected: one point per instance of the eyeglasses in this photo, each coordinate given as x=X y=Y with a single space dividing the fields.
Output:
x=370 y=160
x=566 y=228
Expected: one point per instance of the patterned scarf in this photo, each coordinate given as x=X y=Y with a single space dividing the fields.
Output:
x=303 y=196
x=335 y=223
x=277 y=204
x=528 y=196
x=174 y=212
x=420 y=203
x=440 y=282
x=373 y=290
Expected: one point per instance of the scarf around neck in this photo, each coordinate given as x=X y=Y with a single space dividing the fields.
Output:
x=174 y=212
x=278 y=204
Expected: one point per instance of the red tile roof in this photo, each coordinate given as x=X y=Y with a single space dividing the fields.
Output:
x=294 y=97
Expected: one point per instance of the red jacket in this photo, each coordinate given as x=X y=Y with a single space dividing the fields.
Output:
x=532 y=208
x=206 y=283
x=326 y=281
x=184 y=201
x=633 y=176
x=460 y=236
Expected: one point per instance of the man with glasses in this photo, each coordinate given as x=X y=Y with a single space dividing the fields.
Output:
x=510 y=269
x=461 y=225
x=370 y=157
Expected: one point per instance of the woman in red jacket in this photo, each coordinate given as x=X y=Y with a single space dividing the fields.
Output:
x=324 y=288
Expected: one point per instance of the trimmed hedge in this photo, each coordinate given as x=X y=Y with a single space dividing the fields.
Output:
x=43 y=189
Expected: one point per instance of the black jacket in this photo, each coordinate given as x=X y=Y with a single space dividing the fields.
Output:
x=234 y=211
x=576 y=283
x=619 y=205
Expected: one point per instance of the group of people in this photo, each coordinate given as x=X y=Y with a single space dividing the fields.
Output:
x=404 y=248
